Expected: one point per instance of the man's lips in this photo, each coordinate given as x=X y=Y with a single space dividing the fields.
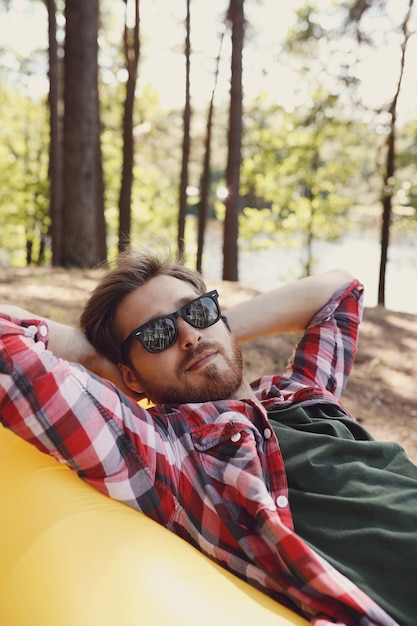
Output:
x=201 y=361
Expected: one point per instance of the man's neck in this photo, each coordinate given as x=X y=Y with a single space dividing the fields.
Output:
x=245 y=392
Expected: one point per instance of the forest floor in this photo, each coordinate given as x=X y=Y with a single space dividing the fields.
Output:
x=382 y=390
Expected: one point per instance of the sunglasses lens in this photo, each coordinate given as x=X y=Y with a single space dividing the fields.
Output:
x=159 y=335
x=202 y=312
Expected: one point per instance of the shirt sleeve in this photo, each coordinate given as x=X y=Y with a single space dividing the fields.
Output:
x=81 y=420
x=324 y=356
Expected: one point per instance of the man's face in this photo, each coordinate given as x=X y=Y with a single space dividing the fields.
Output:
x=202 y=365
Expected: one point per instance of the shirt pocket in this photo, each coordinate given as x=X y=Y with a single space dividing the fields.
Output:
x=224 y=438
x=228 y=451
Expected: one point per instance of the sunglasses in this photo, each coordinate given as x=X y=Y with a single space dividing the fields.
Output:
x=161 y=333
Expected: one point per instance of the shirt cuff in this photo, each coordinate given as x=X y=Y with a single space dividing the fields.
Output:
x=37 y=330
x=326 y=313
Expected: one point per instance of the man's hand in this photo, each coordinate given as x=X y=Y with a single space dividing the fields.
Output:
x=71 y=344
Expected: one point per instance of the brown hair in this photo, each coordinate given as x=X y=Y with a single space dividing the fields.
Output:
x=132 y=271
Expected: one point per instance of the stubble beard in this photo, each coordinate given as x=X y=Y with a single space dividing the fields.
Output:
x=219 y=384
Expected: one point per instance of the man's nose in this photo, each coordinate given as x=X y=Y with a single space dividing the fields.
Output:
x=188 y=336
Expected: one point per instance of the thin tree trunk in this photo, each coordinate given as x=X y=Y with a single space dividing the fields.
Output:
x=55 y=146
x=390 y=167
x=231 y=229
x=205 y=178
x=186 y=140
x=132 y=54
x=101 y=230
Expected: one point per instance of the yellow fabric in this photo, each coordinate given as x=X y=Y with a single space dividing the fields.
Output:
x=72 y=557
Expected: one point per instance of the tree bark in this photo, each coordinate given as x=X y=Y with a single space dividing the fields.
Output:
x=82 y=207
x=206 y=175
x=55 y=145
x=231 y=229
x=186 y=140
x=132 y=55
x=389 y=173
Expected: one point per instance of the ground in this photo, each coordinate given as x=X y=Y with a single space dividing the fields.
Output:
x=381 y=393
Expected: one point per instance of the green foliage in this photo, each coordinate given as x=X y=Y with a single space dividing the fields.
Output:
x=24 y=187
x=297 y=178
x=307 y=27
x=302 y=170
x=157 y=154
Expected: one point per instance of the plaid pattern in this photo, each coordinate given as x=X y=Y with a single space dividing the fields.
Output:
x=211 y=472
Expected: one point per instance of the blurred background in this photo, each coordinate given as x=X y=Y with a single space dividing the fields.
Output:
x=263 y=140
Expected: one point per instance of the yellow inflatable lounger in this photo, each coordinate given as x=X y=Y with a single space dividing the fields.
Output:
x=72 y=557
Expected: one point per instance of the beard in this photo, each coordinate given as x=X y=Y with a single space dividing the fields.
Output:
x=216 y=384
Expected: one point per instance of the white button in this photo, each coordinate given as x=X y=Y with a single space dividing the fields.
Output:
x=267 y=433
x=235 y=438
x=31 y=330
x=282 y=502
x=43 y=330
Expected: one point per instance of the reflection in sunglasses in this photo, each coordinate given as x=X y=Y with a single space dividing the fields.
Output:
x=161 y=333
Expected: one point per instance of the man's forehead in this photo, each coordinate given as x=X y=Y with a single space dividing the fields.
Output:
x=160 y=295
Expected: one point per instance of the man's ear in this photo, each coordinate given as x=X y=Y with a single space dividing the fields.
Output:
x=130 y=378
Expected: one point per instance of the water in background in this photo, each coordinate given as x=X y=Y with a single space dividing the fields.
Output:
x=357 y=253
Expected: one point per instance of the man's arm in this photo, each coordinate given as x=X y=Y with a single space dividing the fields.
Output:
x=285 y=309
x=64 y=341
x=71 y=344
x=77 y=417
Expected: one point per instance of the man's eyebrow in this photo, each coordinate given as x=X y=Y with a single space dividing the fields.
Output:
x=178 y=304
x=183 y=301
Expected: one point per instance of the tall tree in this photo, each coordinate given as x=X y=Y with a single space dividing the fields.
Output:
x=83 y=243
x=132 y=54
x=186 y=137
x=55 y=145
x=390 y=168
x=232 y=202
x=357 y=10
x=206 y=174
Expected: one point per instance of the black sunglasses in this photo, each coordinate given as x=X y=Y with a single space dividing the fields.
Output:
x=161 y=333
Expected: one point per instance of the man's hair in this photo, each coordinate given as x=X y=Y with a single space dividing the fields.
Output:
x=133 y=270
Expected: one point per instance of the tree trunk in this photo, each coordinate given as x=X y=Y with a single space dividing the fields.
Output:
x=204 y=190
x=206 y=175
x=231 y=234
x=132 y=54
x=186 y=139
x=389 y=173
x=55 y=145
x=101 y=234
x=309 y=234
x=81 y=174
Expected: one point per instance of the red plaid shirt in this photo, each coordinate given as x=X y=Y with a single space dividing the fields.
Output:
x=213 y=472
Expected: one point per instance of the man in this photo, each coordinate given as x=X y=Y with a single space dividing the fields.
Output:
x=301 y=518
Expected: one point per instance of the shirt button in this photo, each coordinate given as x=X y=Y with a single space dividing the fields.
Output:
x=43 y=330
x=282 y=502
x=267 y=433
x=236 y=437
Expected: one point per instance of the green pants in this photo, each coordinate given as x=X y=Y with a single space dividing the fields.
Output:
x=354 y=500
